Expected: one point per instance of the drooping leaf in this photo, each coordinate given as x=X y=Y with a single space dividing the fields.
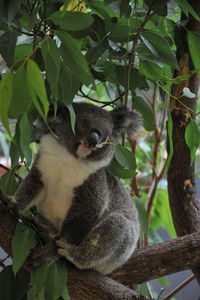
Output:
x=187 y=8
x=71 y=20
x=56 y=281
x=74 y=59
x=193 y=44
x=150 y=70
x=7 y=46
x=146 y=112
x=8 y=182
x=25 y=137
x=125 y=157
x=160 y=48
x=38 y=282
x=13 y=8
x=69 y=85
x=23 y=241
x=13 y=287
x=192 y=138
x=6 y=91
x=20 y=100
x=119 y=171
x=37 y=88
x=51 y=56
x=72 y=117
x=22 y=50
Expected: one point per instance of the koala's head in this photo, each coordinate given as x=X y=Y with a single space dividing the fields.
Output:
x=96 y=130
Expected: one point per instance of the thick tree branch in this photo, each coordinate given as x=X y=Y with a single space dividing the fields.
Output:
x=160 y=260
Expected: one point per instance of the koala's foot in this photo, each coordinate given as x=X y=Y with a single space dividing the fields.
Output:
x=12 y=206
x=44 y=254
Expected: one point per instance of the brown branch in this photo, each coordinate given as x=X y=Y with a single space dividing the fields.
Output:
x=160 y=260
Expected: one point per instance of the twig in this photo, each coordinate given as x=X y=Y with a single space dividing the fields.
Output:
x=179 y=287
x=8 y=170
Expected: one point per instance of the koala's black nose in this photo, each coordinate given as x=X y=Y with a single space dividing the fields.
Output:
x=92 y=139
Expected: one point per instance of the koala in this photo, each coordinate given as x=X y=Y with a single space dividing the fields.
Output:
x=94 y=222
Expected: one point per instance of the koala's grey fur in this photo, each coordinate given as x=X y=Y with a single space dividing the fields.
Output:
x=93 y=217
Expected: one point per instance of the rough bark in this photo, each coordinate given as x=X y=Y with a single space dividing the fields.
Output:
x=185 y=205
x=145 y=264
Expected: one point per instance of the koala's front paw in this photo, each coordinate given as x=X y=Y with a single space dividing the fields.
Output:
x=62 y=247
x=44 y=254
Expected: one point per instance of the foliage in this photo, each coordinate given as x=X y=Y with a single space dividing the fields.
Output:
x=108 y=52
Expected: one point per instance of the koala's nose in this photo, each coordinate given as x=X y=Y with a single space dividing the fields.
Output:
x=92 y=139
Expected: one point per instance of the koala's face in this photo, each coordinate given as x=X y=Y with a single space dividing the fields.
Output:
x=94 y=127
x=96 y=130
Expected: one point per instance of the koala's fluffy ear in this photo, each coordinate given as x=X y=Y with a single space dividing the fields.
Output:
x=125 y=121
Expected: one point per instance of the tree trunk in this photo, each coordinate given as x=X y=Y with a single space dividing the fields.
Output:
x=185 y=205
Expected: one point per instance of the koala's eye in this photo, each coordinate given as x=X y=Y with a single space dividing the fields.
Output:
x=93 y=138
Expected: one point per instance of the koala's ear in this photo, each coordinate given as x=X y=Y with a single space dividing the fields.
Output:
x=125 y=120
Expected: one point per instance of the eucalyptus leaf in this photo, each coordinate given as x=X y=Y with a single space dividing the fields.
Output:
x=193 y=44
x=72 y=20
x=160 y=48
x=146 y=111
x=192 y=138
x=37 y=88
x=125 y=157
x=56 y=281
x=6 y=91
x=74 y=59
x=38 y=282
x=119 y=171
x=7 y=46
x=25 y=137
x=150 y=70
x=23 y=241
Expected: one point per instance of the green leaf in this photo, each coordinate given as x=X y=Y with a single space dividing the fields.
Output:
x=5 y=98
x=13 y=8
x=7 y=46
x=146 y=111
x=72 y=117
x=150 y=70
x=23 y=50
x=74 y=59
x=56 y=281
x=8 y=182
x=101 y=9
x=119 y=171
x=20 y=100
x=23 y=241
x=187 y=9
x=125 y=157
x=161 y=214
x=25 y=137
x=171 y=145
x=143 y=216
x=38 y=282
x=69 y=85
x=13 y=287
x=160 y=48
x=37 y=87
x=51 y=55
x=192 y=138
x=193 y=44
x=71 y=20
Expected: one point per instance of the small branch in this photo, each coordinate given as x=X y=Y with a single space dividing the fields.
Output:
x=180 y=287
x=8 y=170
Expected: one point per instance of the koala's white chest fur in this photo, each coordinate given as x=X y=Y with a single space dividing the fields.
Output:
x=61 y=173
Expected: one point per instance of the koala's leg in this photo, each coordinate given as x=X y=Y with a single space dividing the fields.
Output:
x=110 y=240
